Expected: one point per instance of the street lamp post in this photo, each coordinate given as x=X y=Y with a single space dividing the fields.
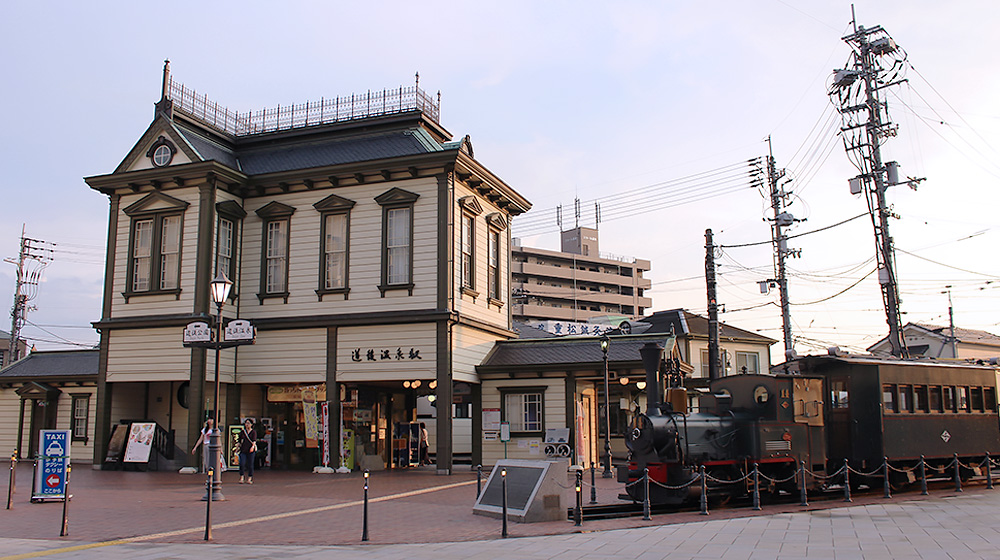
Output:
x=221 y=286
x=605 y=342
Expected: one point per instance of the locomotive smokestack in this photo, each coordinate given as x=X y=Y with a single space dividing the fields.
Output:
x=652 y=355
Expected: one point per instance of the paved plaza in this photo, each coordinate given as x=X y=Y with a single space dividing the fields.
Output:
x=418 y=514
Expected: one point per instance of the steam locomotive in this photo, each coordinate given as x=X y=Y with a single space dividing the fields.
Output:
x=825 y=410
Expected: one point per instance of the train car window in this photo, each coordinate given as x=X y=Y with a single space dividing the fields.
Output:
x=977 y=399
x=839 y=397
x=889 y=398
x=963 y=399
x=920 y=398
x=949 y=398
x=905 y=398
x=937 y=405
x=990 y=394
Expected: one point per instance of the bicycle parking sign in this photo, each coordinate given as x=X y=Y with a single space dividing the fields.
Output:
x=50 y=473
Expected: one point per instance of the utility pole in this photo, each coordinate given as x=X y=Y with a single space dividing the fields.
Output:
x=779 y=241
x=876 y=63
x=951 y=324
x=713 y=308
x=26 y=287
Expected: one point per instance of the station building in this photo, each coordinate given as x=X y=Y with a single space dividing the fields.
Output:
x=369 y=248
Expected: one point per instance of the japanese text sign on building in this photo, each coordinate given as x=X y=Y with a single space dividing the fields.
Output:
x=382 y=354
x=197 y=332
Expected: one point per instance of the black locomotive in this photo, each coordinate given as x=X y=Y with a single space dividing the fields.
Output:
x=826 y=410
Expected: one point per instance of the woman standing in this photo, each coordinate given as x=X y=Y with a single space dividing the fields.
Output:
x=248 y=451
x=206 y=434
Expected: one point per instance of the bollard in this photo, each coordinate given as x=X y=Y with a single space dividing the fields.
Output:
x=593 y=483
x=364 y=514
x=847 y=482
x=989 y=472
x=479 y=480
x=803 y=495
x=756 y=488
x=645 y=500
x=10 y=485
x=885 y=482
x=208 y=505
x=65 y=518
x=578 y=512
x=958 y=477
x=704 y=491
x=503 y=479
x=923 y=477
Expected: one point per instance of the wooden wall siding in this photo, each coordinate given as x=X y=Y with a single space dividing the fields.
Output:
x=365 y=254
x=148 y=355
x=479 y=307
x=157 y=304
x=555 y=416
x=470 y=347
x=288 y=356
x=419 y=336
x=10 y=407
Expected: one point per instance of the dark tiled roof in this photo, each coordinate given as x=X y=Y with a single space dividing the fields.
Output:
x=208 y=149
x=525 y=330
x=73 y=363
x=333 y=152
x=685 y=322
x=972 y=336
x=549 y=352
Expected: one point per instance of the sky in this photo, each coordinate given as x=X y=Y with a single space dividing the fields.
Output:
x=592 y=101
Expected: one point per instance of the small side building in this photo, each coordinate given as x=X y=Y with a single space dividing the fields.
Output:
x=932 y=341
x=49 y=391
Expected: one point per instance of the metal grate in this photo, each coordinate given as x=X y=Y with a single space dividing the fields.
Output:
x=325 y=111
x=778 y=445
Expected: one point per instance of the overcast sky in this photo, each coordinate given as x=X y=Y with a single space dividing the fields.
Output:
x=563 y=100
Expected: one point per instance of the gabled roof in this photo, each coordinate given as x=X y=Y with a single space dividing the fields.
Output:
x=686 y=323
x=75 y=364
x=560 y=353
x=968 y=336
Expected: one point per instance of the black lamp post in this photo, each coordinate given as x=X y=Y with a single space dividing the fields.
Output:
x=605 y=342
x=220 y=292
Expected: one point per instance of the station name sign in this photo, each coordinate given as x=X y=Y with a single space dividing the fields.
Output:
x=237 y=333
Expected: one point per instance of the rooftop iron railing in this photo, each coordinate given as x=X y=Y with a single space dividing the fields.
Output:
x=325 y=111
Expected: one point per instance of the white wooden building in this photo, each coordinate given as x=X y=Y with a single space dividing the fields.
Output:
x=369 y=249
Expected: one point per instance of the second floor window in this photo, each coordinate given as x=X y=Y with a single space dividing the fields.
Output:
x=397 y=245
x=493 y=272
x=224 y=262
x=156 y=248
x=335 y=251
x=468 y=242
x=276 y=258
x=747 y=363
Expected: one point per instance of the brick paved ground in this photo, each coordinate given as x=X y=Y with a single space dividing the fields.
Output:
x=295 y=508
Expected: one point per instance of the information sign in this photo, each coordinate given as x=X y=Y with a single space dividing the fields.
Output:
x=50 y=476
x=140 y=442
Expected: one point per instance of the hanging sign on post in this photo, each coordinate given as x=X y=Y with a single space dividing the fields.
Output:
x=50 y=474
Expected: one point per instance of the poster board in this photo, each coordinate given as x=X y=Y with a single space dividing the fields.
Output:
x=116 y=445
x=140 y=442
x=232 y=457
x=534 y=492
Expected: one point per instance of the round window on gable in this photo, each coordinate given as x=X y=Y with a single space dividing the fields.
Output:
x=161 y=153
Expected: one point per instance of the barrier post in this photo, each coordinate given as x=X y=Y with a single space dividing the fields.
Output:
x=923 y=476
x=989 y=472
x=578 y=511
x=364 y=514
x=958 y=477
x=593 y=483
x=65 y=514
x=704 y=491
x=208 y=504
x=885 y=479
x=847 y=481
x=10 y=484
x=645 y=500
x=756 y=488
x=803 y=495
x=479 y=480
x=503 y=479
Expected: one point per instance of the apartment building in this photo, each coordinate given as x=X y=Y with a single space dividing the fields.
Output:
x=578 y=282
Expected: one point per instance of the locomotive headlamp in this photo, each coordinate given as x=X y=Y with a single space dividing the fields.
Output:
x=623 y=380
x=640 y=385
